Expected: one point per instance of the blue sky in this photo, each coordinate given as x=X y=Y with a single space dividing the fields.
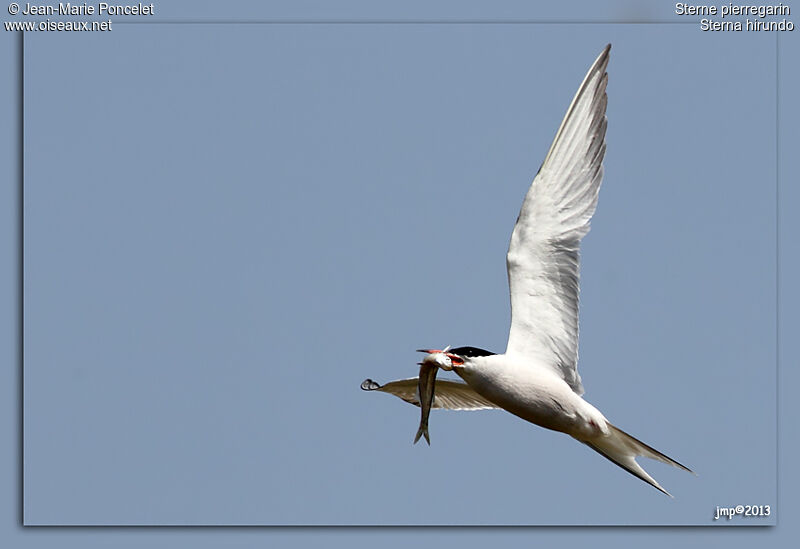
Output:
x=233 y=225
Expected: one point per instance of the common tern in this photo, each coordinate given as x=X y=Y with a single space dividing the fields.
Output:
x=537 y=377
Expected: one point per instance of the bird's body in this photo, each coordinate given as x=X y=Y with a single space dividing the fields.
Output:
x=534 y=394
x=537 y=377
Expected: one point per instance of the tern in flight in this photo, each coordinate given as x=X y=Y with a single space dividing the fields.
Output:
x=537 y=378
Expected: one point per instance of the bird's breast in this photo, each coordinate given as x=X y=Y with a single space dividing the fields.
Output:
x=534 y=394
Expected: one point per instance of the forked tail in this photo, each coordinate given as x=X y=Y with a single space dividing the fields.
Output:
x=622 y=449
x=423 y=431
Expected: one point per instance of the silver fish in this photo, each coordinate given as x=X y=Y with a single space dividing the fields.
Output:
x=426 y=384
x=426 y=387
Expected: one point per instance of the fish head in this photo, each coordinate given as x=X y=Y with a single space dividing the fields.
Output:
x=441 y=358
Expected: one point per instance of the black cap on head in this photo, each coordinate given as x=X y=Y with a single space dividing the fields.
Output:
x=470 y=352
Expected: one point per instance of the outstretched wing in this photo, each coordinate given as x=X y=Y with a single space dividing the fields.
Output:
x=543 y=254
x=449 y=395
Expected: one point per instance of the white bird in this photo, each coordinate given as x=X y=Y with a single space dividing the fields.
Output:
x=537 y=377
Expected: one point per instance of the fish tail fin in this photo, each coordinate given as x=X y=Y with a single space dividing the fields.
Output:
x=622 y=449
x=422 y=431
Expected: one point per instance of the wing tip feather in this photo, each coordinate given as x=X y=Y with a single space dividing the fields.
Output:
x=370 y=385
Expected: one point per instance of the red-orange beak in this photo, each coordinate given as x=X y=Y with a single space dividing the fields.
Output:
x=455 y=359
